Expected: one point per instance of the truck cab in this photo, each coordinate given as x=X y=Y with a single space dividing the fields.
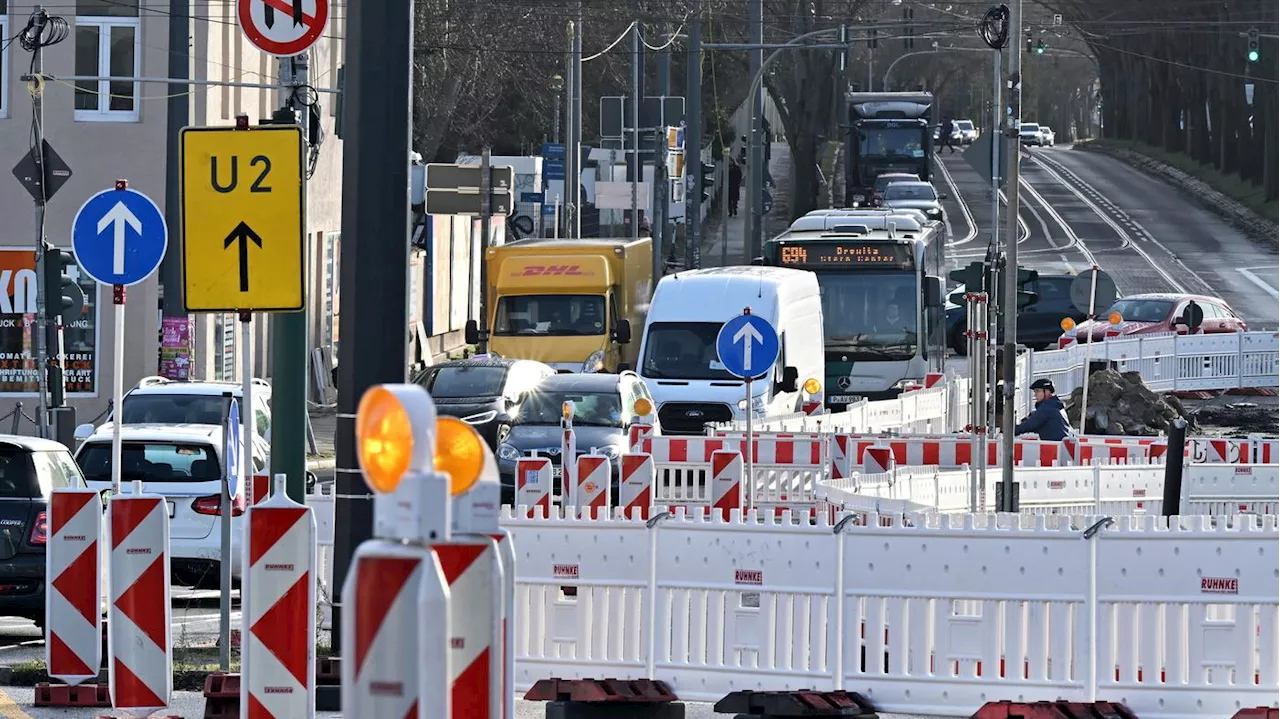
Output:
x=568 y=303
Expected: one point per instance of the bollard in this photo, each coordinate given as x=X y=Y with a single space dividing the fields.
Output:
x=635 y=485
x=278 y=606
x=726 y=483
x=1176 y=456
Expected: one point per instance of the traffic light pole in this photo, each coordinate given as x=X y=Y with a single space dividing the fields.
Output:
x=42 y=289
x=693 y=142
x=1008 y=503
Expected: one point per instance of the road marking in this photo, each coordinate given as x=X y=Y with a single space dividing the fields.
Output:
x=1259 y=281
x=10 y=709
x=964 y=208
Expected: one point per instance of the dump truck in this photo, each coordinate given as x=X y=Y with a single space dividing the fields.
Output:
x=887 y=132
x=569 y=303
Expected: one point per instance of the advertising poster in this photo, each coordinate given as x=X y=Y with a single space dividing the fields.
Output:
x=175 y=348
x=18 y=373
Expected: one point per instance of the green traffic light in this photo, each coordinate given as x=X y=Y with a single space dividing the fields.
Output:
x=1253 y=56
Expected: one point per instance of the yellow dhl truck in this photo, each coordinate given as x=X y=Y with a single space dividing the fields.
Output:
x=569 y=303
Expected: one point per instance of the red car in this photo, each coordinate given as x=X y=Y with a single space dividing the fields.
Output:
x=1157 y=313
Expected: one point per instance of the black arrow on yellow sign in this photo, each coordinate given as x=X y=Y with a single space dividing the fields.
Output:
x=244 y=235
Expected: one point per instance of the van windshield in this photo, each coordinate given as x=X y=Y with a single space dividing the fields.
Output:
x=544 y=315
x=683 y=350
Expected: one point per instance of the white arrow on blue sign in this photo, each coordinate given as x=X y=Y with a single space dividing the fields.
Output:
x=119 y=237
x=747 y=346
x=235 y=450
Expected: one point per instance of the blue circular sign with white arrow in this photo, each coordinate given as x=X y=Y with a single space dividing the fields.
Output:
x=119 y=237
x=747 y=346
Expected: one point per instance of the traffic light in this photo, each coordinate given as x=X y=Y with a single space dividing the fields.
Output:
x=708 y=179
x=63 y=295
x=974 y=278
x=1026 y=297
x=1254 y=55
x=1040 y=46
x=1030 y=43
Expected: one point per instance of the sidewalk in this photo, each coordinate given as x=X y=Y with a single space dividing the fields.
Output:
x=777 y=220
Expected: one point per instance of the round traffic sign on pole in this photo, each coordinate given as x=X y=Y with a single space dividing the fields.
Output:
x=119 y=236
x=747 y=346
x=283 y=27
x=1083 y=289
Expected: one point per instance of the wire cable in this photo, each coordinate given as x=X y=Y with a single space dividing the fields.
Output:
x=994 y=27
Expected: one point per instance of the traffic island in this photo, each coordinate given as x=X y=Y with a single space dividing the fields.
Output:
x=606 y=699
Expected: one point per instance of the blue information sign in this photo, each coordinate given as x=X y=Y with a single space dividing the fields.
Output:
x=119 y=237
x=747 y=346
x=235 y=450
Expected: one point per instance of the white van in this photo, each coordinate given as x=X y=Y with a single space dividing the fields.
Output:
x=678 y=359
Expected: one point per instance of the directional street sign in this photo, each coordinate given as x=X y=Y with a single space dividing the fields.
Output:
x=747 y=346
x=56 y=173
x=242 y=231
x=978 y=155
x=119 y=237
x=455 y=189
x=283 y=27
x=235 y=449
x=1104 y=294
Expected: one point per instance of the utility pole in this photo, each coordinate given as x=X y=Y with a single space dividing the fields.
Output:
x=661 y=208
x=755 y=160
x=1011 y=256
x=39 y=18
x=485 y=221
x=633 y=164
x=375 y=260
x=288 y=330
x=574 y=191
x=693 y=141
x=179 y=116
x=995 y=302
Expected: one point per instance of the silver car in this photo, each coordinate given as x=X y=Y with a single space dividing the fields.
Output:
x=1046 y=136
x=915 y=196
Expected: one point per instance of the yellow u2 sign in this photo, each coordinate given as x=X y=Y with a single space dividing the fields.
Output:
x=242 y=219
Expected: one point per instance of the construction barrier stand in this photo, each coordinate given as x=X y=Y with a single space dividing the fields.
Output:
x=635 y=485
x=73 y=589
x=594 y=480
x=473 y=572
x=533 y=485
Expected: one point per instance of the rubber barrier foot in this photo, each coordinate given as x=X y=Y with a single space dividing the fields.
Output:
x=62 y=695
x=1053 y=710
x=614 y=710
x=222 y=696
x=601 y=691
x=802 y=703
x=1258 y=713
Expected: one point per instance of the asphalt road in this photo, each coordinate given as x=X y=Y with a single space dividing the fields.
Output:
x=1081 y=208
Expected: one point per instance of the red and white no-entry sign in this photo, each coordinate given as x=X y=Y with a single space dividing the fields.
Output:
x=283 y=27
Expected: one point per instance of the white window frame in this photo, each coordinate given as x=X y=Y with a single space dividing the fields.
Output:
x=104 y=25
x=5 y=54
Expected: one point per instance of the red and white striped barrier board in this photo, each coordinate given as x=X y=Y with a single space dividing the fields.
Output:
x=507 y=555
x=637 y=432
x=811 y=408
x=261 y=487
x=533 y=485
x=138 y=631
x=635 y=485
x=841 y=456
x=279 y=607
x=473 y=572
x=73 y=584
x=776 y=450
x=934 y=379
x=877 y=460
x=726 y=483
x=397 y=623
x=1265 y=451
x=591 y=493
x=568 y=462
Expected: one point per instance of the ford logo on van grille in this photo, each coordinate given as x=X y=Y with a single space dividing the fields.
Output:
x=693 y=413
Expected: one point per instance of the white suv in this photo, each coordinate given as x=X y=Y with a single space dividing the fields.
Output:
x=184 y=463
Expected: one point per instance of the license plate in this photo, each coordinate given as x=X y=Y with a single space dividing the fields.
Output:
x=172 y=507
x=843 y=398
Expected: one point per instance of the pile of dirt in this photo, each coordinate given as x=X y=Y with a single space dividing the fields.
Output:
x=1238 y=419
x=1121 y=404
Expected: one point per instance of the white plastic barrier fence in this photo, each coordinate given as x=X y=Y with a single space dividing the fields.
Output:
x=936 y=618
x=784 y=471
x=1218 y=489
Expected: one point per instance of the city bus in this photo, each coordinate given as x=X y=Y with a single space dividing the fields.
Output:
x=879 y=274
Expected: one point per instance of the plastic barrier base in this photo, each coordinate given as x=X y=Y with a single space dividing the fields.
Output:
x=606 y=699
x=222 y=696
x=328 y=684
x=61 y=695
x=803 y=703
x=614 y=710
x=1258 y=713
x=1053 y=710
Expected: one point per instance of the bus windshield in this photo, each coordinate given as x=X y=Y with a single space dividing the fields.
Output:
x=871 y=315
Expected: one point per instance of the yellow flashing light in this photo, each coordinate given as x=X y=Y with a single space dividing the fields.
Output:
x=1067 y=324
x=566 y=410
x=460 y=453
x=643 y=406
x=812 y=386
x=1115 y=318
x=384 y=439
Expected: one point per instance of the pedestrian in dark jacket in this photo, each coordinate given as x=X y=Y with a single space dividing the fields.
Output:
x=735 y=187
x=1049 y=419
x=944 y=136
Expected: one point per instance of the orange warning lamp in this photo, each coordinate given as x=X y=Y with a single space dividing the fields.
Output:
x=566 y=409
x=1067 y=324
x=642 y=407
x=384 y=438
x=1115 y=318
x=812 y=386
x=460 y=453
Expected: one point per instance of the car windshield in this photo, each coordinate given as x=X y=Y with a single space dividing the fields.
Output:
x=595 y=409
x=172 y=409
x=683 y=350
x=964 y=124
x=458 y=381
x=151 y=462
x=870 y=315
x=883 y=181
x=910 y=191
x=1141 y=310
x=543 y=315
x=1029 y=127
x=893 y=142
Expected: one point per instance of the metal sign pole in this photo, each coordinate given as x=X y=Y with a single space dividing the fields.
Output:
x=750 y=480
x=224 y=566
x=485 y=216
x=117 y=386
x=1088 y=349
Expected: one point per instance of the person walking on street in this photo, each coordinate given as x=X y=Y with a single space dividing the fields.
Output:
x=1049 y=419
x=735 y=187
x=944 y=136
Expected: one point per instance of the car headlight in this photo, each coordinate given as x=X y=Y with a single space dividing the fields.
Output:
x=482 y=418
x=610 y=451
x=757 y=403
x=508 y=453
x=859 y=198
x=934 y=212
x=594 y=363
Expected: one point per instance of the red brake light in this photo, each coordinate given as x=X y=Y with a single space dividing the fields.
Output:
x=212 y=506
x=40 y=530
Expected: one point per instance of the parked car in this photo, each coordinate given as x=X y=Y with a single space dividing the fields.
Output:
x=1046 y=136
x=883 y=181
x=1159 y=313
x=183 y=463
x=604 y=408
x=1039 y=324
x=1029 y=134
x=484 y=393
x=30 y=469
x=967 y=131
x=914 y=196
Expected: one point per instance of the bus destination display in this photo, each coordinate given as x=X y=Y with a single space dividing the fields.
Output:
x=862 y=254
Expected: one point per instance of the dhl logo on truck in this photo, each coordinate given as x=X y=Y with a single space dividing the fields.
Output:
x=545 y=270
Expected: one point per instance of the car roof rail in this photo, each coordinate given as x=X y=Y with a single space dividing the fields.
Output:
x=152 y=381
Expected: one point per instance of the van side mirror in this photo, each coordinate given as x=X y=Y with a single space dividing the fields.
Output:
x=83 y=432
x=471 y=332
x=622 y=333
x=932 y=291
x=311 y=481
x=942 y=196
x=790 y=381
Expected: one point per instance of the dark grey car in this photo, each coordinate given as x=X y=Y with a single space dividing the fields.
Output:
x=483 y=392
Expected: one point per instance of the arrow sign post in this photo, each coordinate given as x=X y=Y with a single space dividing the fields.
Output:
x=747 y=346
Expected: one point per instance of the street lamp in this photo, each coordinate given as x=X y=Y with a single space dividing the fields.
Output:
x=557 y=84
